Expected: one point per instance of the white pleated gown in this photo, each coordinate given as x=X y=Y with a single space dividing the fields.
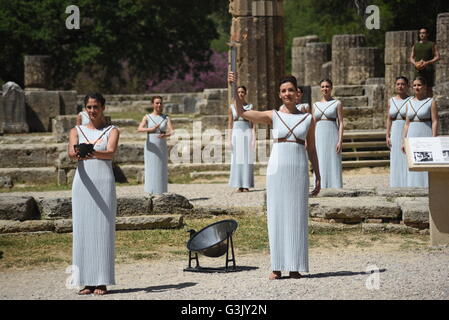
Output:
x=242 y=163
x=94 y=206
x=156 y=157
x=288 y=196
x=398 y=160
x=326 y=138
x=419 y=109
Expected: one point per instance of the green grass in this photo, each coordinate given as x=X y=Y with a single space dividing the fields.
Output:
x=54 y=187
x=126 y=115
x=35 y=188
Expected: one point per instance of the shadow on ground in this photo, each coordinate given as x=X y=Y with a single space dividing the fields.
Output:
x=156 y=288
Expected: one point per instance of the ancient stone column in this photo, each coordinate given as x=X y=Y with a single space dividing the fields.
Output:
x=364 y=63
x=12 y=109
x=326 y=70
x=258 y=25
x=316 y=54
x=299 y=56
x=37 y=72
x=398 y=47
x=340 y=57
x=442 y=66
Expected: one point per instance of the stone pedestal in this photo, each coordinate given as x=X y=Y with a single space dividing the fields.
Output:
x=299 y=56
x=37 y=72
x=364 y=63
x=12 y=109
x=398 y=48
x=340 y=55
x=316 y=54
x=68 y=102
x=41 y=107
x=442 y=66
x=438 y=218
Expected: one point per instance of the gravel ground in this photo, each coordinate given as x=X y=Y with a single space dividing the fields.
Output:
x=339 y=274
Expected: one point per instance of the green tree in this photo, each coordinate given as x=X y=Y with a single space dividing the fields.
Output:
x=152 y=37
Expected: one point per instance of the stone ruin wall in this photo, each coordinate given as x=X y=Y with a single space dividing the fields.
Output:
x=349 y=63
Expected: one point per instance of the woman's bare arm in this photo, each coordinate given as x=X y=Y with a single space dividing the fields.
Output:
x=143 y=126
x=434 y=114
x=311 y=151
x=388 y=130
x=111 y=148
x=264 y=117
x=340 y=127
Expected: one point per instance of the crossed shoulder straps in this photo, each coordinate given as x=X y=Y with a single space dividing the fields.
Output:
x=416 y=111
x=164 y=117
x=290 y=130
x=104 y=132
x=323 y=112
x=398 y=110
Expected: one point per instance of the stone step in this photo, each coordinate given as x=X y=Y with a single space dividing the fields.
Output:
x=147 y=222
x=353 y=101
x=30 y=155
x=411 y=211
x=365 y=144
x=60 y=207
x=364 y=134
x=27 y=139
x=366 y=154
x=33 y=176
x=365 y=163
x=348 y=90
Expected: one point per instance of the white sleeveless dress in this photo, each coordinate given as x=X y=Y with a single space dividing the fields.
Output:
x=326 y=138
x=94 y=206
x=288 y=194
x=419 y=110
x=156 y=157
x=398 y=160
x=242 y=163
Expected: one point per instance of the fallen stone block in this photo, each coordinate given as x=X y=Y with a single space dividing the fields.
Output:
x=8 y=226
x=387 y=227
x=320 y=226
x=353 y=208
x=149 y=222
x=133 y=206
x=18 y=208
x=415 y=211
x=63 y=225
x=170 y=203
x=402 y=192
x=346 y=192
x=55 y=208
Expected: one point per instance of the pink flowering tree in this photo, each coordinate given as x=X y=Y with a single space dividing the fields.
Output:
x=189 y=82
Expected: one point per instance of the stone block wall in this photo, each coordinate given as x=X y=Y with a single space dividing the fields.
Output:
x=299 y=56
x=398 y=47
